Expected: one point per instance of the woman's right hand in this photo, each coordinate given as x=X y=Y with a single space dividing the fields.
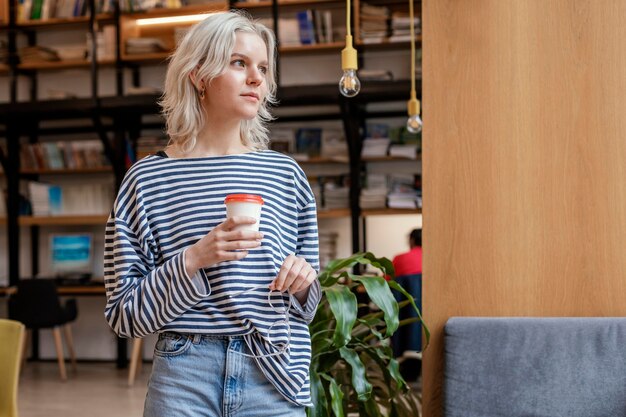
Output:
x=222 y=244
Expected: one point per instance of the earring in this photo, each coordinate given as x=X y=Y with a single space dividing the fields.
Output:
x=202 y=93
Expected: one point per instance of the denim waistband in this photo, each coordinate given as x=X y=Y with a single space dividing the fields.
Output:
x=197 y=337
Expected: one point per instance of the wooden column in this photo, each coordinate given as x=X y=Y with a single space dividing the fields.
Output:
x=524 y=163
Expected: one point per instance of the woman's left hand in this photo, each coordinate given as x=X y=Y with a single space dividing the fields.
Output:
x=295 y=276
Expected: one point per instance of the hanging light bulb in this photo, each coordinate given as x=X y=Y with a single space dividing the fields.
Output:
x=349 y=84
x=414 y=123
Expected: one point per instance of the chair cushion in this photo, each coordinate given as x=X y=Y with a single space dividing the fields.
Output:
x=539 y=367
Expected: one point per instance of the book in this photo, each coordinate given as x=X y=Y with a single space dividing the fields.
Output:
x=282 y=140
x=334 y=144
x=288 y=31
x=309 y=141
x=306 y=27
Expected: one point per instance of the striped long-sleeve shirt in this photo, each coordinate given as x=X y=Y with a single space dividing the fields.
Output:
x=164 y=205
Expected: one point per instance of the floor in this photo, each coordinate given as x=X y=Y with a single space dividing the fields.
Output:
x=96 y=390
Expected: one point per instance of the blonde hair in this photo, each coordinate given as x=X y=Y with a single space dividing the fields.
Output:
x=207 y=48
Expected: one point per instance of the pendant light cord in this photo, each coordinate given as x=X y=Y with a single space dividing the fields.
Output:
x=348 y=31
x=412 y=27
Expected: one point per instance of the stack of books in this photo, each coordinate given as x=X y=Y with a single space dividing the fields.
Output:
x=375 y=147
x=37 y=54
x=328 y=247
x=334 y=144
x=144 y=46
x=45 y=199
x=374 y=23
x=408 y=150
x=336 y=196
x=403 y=194
x=70 y=199
x=63 y=154
x=374 y=195
x=401 y=27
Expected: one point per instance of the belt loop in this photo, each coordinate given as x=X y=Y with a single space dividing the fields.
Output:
x=196 y=338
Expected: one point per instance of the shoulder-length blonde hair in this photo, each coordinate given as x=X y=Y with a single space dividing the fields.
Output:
x=207 y=48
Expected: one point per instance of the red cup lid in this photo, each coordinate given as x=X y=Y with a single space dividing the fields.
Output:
x=243 y=198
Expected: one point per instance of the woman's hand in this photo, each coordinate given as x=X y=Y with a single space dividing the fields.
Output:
x=296 y=276
x=222 y=244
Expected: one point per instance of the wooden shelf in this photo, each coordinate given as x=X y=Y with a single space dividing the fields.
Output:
x=253 y=4
x=66 y=171
x=386 y=44
x=98 y=219
x=153 y=57
x=296 y=49
x=319 y=47
x=62 y=21
x=180 y=11
x=389 y=158
x=388 y=211
x=4 y=69
x=88 y=289
x=324 y=160
x=285 y=3
x=62 y=65
x=333 y=213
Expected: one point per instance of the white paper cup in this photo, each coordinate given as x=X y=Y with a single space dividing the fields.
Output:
x=244 y=205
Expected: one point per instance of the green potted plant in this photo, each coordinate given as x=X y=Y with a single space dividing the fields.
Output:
x=353 y=370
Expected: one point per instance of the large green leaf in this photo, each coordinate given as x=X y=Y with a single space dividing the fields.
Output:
x=394 y=371
x=318 y=396
x=336 y=396
x=371 y=408
x=339 y=264
x=396 y=286
x=359 y=379
x=379 y=292
x=368 y=326
x=344 y=306
x=383 y=264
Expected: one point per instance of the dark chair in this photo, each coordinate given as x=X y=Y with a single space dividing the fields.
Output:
x=36 y=304
x=407 y=340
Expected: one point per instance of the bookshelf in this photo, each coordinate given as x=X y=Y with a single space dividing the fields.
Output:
x=126 y=111
x=80 y=220
x=120 y=116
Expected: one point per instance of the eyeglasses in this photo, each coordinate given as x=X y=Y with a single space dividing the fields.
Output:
x=281 y=347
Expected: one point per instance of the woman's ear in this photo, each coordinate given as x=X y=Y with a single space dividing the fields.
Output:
x=193 y=76
x=199 y=84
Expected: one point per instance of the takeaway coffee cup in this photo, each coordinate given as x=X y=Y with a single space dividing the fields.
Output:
x=244 y=205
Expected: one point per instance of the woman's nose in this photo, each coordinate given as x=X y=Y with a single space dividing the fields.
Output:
x=255 y=76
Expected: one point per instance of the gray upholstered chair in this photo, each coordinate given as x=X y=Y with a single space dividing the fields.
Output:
x=535 y=367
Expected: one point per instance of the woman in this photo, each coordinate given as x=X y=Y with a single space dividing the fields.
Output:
x=231 y=306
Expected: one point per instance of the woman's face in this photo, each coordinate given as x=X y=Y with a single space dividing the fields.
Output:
x=240 y=90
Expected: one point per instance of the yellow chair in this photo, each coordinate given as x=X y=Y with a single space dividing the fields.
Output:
x=12 y=337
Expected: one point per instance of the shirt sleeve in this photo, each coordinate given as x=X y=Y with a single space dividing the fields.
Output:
x=308 y=248
x=143 y=297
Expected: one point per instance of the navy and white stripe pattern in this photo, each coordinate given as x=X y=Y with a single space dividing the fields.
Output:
x=165 y=205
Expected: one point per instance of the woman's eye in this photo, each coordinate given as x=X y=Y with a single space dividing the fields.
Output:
x=263 y=70
x=238 y=63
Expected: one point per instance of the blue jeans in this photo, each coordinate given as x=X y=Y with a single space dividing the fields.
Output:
x=201 y=375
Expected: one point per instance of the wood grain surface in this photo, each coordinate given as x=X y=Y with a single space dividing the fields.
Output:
x=524 y=173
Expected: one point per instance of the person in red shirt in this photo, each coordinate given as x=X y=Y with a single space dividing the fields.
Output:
x=410 y=263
